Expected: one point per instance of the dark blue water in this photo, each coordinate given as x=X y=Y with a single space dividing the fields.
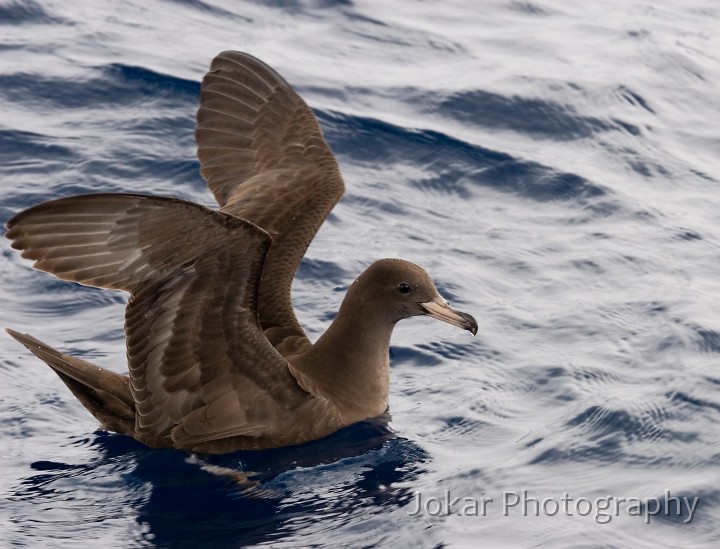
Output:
x=553 y=165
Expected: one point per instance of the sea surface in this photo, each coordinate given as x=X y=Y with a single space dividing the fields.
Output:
x=554 y=165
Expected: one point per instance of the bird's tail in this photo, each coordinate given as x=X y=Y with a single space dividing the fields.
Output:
x=106 y=394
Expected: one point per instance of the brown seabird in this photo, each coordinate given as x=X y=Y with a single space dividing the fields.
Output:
x=217 y=359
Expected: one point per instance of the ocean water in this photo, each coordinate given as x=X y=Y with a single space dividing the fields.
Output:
x=554 y=165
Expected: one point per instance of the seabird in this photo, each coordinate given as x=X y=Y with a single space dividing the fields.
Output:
x=216 y=357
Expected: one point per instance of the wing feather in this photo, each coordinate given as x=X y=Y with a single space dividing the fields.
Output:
x=127 y=238
x=200 y=367
x=264 y=157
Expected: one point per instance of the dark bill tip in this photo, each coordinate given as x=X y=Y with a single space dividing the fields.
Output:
x=472 y=324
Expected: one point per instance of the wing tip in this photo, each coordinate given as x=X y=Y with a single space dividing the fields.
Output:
x=26 y=340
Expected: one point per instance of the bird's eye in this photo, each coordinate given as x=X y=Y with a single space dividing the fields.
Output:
x=404 y=288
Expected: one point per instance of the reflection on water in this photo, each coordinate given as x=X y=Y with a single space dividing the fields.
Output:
x=237 y=499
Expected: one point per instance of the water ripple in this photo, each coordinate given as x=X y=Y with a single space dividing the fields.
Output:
x=553 y=167
x=455 y=166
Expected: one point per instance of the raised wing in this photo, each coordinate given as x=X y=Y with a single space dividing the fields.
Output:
x=264 y=157
x=200 y=367
x=118 y=241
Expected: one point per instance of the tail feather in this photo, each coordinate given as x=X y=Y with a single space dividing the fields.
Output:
x=104 y=393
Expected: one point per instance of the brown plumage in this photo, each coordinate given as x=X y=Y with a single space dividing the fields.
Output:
x=216 y=357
